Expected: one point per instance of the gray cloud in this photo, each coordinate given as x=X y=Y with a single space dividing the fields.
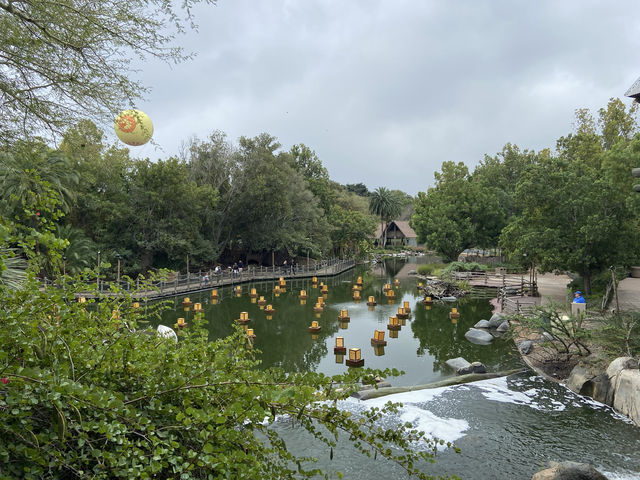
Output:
x=386 y=91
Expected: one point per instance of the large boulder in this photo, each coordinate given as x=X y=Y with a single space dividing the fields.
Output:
x=627 y=394
x=589 y=379
x=475 y=367
x=457 y=363
x=569 y=471
x=496 y=320
x=503 y=327
x=479 y=337
x=482 y=324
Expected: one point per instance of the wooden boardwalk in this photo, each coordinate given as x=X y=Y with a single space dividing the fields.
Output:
x=195 y=282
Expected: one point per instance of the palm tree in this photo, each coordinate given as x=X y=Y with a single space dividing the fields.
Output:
x=29 y=174
x=81 y=250
x=13 y=269
x=385 y=204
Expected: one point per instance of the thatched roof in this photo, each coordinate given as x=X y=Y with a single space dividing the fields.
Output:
x=403 y=226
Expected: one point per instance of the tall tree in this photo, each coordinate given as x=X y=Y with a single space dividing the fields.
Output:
x=386 y=205
x=65 y=60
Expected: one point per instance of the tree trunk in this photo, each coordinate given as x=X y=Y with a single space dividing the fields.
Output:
x=586 y=276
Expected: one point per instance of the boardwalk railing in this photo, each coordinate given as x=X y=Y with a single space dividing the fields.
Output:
x=194 y=281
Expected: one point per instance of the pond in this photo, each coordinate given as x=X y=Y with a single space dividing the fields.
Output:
x=507 y=428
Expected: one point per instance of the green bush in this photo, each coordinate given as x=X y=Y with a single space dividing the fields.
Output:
x=464 y=267
x=87 y=392
x=430 y=268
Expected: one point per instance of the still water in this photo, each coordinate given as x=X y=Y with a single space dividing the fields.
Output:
x=507 y=428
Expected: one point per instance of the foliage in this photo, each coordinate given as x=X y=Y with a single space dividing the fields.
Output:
x=464 y=267
x=567 y=335
x=457 y=213
x=619 y=334
x=430 y=268
x=88 y=392
x=68 y=60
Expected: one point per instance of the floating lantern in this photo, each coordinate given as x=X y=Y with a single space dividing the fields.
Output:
x=250 y=334
x=402 y=314
x=262 y=301
x=378 y=338
x=372 y=301
x=396 y=282
x=214 y=294
x=343 y=316
x=325 y=289
x=303 y=295
x=238 y=290
x=82 y=300
x=244 y=318
x=136 y=305
x=133 y=127
x=359 y=281
x=269 y=310
x=387 y=286
x=277 y=290
x=454 y=313
x=282 y=282
x=355 y=287
x=356 y=295
x=339 y=348
x=419 y=285
x=406 y=307
x=181 y=323
x=391 y=295
x=115 y=314
x=186 y=302
x=197 y=307
x=427 y=301
x=315 y=327
x=314 y=280
x=253 y=293
x=394 y=324
x=318 y=308
x=354 y=359
x=321 y=300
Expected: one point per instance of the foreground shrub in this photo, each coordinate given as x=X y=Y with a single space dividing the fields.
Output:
x=87 y=392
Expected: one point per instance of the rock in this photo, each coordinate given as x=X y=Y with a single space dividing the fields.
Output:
x=482 y=324
x=591 y=381
x=475 y=367
x=412 y=272
x=525 y=347
x=496 y=320
x=457 y=363
x=503 y=327
x=619 y=364
x=479 y=337
x=627 y=394
x=569 y=471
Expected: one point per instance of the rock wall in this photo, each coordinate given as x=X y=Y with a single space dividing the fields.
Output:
x=618 y=386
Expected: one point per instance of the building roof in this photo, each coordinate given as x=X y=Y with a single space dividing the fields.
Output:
x=634 y=90
x=403 y=226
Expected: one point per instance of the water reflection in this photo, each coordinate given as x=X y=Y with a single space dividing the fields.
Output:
x=420 y=345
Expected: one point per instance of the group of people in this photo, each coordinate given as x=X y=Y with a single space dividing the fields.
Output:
x=238 y=267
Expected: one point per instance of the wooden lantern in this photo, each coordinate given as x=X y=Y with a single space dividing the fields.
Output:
x=378 y=338
x=339 y=347
x=315 y=327
x=454 y=313
x=394 y=324
x=372 y=301
x=355 y=359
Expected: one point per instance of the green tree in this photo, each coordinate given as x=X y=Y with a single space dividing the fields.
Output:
x=63 y=61
x=358 y=188
x=307 y=163
x=276 y=210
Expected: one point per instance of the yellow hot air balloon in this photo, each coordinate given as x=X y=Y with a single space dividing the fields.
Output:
x=133 y=127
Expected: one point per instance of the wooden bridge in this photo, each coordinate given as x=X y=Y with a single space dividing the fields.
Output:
x=515 y=293
x=177 y=284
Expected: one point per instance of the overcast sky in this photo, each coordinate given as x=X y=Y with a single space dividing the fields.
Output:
x=385 y=91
